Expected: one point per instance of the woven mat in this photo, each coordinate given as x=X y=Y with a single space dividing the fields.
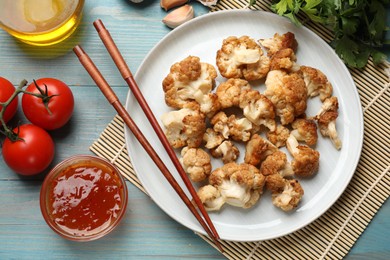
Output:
x=334 y=233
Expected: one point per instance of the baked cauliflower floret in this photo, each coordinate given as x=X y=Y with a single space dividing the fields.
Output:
x=279 y=136
x=258 y=108
x=279 y=42
x=288 y=93
x=185 y=127
x=196 y=162
x=212 y=139
x=316 y=83
x=187 y=80
x=276 y=163
x=240 y=129
x=286 y=194
x=284 y=59
x=227 y=151
x=229 y=92
x=209 y=103
x=220 y=123
x=257 y=70
x=239 y=185
x=211 y=198
x=326 y=119
x=305 y=130
x=234 y=56
x=257 y=149
x=306 y=160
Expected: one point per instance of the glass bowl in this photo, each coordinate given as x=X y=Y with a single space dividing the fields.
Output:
x=83 y=198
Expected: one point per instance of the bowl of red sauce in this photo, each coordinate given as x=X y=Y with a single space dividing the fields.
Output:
x=83 y=198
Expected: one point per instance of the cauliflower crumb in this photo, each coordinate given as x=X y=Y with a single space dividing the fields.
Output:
x=306 y=160
x=279 y=136
x=212 y=138
x=279 y=42
x=229 y=92
x=258 y=108
x=257 y=149
x=227 y=151
x=196 y=162
x=188 y=80
x=239 y=185
x=276 y=163
x=185 y=127
x=235 y=55
x=288 y=93
x=316 y=82
x=305 y=130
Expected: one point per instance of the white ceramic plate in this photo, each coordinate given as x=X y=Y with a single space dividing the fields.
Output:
x=202 y=37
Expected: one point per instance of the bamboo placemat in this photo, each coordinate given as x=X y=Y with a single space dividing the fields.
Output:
x=333 y=234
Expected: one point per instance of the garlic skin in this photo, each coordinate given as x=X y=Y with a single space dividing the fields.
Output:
x=208 y=3
x=179 y=16
x=169 y=4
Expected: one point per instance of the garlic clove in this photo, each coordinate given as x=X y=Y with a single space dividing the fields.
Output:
x=179 y=16
x=169 y=4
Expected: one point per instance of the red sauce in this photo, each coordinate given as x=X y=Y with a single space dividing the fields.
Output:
x=84 y=199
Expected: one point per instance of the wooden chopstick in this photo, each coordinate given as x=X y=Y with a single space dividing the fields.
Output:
x=117 y=57
x=114 y=101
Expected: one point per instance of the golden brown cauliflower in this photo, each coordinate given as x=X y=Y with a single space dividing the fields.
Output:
x=276 y=163
x=229 y=92
x=286 y=194
x=185 y=127
x=288 y=93
x=212 y=139
x=188 y=80
x=209 y=103
x=327 y=120
x=316 y=83
x=257 y=149
x=211 y=197
x=220 y=123
x=305 y=130
x=306 y=160
x=258 y=108
x=196 y=162
x=227 y=151
x=284 y=60
x=236 y=54
x=279 y=42
x=279 y=136
x=239 y=185
x=240 y=129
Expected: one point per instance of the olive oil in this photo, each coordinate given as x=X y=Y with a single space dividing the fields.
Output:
x=40 y=22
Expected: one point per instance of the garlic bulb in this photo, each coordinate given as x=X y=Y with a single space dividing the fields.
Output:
x=208 y=2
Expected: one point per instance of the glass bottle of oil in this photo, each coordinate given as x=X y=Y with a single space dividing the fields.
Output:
x=40 y=22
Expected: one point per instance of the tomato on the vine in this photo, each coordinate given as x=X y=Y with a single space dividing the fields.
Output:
x=32 y=153
x=6 y=91
x=53 y=110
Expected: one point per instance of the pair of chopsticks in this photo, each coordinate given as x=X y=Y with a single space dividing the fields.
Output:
x=114 y=101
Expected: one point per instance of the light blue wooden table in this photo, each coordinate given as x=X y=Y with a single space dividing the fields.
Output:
x=146 y=232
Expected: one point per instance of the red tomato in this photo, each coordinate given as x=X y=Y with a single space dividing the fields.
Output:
x=6 y=91
x=31 y=155
x=59 y=107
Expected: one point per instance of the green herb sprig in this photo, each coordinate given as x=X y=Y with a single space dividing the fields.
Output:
x=359 y=26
